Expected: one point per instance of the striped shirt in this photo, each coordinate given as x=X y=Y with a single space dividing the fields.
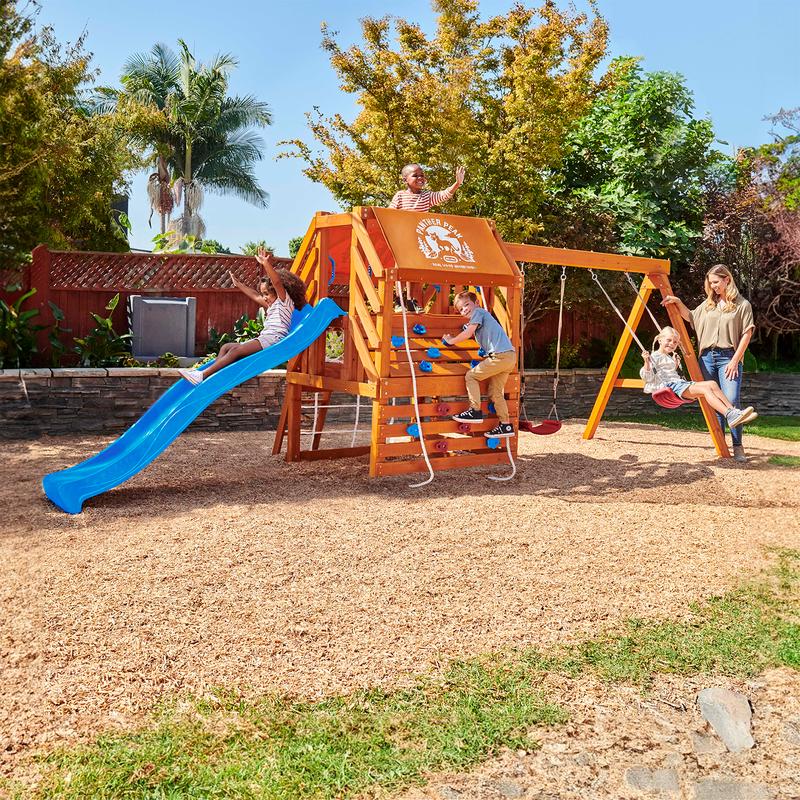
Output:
x=277 y=320
x=406 y=200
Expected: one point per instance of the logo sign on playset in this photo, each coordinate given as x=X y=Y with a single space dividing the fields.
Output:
x=443 y=244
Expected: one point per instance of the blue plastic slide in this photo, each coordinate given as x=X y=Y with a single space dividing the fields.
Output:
x=172 y=413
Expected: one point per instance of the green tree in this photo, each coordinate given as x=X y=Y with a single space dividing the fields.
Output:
x=252 y=248
x=294 y=245
x=640 y=157
x=200 y=138
x=61 y=166
x=495 y=95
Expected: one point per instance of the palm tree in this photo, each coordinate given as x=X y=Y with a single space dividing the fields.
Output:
x=201 y=138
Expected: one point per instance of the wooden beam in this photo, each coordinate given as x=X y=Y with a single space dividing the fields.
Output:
x=333 y=384
x=334 y=452
x=611 y=376
x=584 y=259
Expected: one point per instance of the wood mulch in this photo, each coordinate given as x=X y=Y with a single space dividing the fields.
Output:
x=222 y=565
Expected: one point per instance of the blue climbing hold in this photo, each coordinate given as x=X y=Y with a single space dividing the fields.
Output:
x=494 y=443
x=491 y=407
x=420 y=330
x=398 y=341
x=437 y=287
x=333 y=270
x=425 y=366
x=482 y=353
x=474 y=362
x=413 y=430
x=433 y=352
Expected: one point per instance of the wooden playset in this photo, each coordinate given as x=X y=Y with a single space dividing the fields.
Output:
x=376 y=262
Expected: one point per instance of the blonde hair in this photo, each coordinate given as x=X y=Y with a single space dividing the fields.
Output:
x=731 y=292
x=466 y=296
x=665 y=332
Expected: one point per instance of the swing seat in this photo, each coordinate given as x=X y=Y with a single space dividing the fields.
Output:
x=544 y=428
x=666 y=398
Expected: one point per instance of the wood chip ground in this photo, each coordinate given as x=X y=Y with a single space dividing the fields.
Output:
x=222 y=565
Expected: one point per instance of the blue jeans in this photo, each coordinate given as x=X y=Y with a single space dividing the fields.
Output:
x=712 y=365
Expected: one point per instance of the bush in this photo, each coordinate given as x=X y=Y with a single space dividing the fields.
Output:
x=18 y=332
x=103 y=346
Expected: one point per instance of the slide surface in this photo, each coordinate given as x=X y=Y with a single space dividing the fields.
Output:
x=174 y=411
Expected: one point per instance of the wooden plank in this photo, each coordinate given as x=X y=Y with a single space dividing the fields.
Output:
x=365 y=243
x=436 y=386
x=448 y=356
x=343 y=220
x=433 y=429
x=406 y=410
x=333 y=384
x=367 y=324
x=481 y=278
x=402 y=368
x=537 y=254
x=388 y=450
x=334 y=452
x=293 y=420
x=439 y=464
x=361 y=348
x=277 y=444
x=607 y=387
x=364 y=281
x=417 y=343
x=629 y=383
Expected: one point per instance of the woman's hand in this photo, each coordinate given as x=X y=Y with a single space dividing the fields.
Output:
x=732 y=370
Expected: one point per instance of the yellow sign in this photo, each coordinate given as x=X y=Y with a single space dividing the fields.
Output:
x=439 y=242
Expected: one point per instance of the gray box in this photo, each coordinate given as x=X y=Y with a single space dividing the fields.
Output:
x=162 y=325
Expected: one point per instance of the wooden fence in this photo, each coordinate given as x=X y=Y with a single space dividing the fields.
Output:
x=83 y=282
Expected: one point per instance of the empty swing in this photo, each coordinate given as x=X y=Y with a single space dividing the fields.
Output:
x=552 y=424
x=664 y=397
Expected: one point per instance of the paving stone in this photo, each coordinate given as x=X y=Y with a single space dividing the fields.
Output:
x=729 y=715
x=712 y=789
x=791 y=731
x=653 y=781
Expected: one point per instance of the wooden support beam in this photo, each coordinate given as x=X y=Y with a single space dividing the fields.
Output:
x=319 y=422
x=611 y=376
x=536 y=254
x=334 y=452
x=293 y=419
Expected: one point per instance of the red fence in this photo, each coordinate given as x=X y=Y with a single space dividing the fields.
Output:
x=83 y=282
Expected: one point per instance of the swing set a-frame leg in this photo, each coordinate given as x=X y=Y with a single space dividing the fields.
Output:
x=610 y=380
x=661 y=282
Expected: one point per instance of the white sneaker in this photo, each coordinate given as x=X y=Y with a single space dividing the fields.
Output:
x=737 y=416
x=194 y=376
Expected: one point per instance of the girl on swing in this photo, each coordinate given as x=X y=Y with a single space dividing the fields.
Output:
x=660 y=370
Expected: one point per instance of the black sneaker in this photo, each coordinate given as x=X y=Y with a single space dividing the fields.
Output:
x=471 y=416
x=505 y=430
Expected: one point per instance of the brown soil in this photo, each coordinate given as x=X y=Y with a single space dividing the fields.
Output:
x=222 y=565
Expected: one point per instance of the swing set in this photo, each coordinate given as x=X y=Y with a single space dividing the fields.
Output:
x=396 y=274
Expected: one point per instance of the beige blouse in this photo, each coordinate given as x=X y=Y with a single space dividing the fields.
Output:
x=717 y=328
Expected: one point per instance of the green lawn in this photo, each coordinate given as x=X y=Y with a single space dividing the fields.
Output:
x=226 y=746
x=786 y=428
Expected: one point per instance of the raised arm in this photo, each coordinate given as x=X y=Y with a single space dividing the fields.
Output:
x=671 y=300
x=265 y=259
x=245 y=289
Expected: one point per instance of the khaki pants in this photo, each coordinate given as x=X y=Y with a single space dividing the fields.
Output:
x=495 y=369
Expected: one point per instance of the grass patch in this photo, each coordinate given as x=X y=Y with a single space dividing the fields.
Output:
x=229 y=747
x=784 y=461
x=786 y=428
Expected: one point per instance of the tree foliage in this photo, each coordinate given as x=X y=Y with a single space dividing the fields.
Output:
x=495 y=95
x=639 y=157
x=60 y=165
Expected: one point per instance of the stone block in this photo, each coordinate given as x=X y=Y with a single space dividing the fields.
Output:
x=711 y=789
x=729 y=715
x=663 y=782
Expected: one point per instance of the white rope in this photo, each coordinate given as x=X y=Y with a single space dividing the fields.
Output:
x=639 y=295
x=316 y=412
x=355 y=427
x=513 y=465
x=618 y=312
x=399 y=290
x=557 y=375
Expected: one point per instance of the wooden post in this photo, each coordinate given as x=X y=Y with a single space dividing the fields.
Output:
x=610 y=379
x=693 y=367
x=38 y=277
x=293 y=419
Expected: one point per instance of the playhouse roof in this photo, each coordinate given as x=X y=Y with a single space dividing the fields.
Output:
x=428 y=246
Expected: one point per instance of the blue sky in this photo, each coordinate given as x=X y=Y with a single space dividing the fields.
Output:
x=739 y=57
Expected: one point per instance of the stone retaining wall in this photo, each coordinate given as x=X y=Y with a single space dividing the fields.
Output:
x=109 y=400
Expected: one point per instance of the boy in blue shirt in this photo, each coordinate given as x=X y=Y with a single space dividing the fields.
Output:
x=501 y=358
